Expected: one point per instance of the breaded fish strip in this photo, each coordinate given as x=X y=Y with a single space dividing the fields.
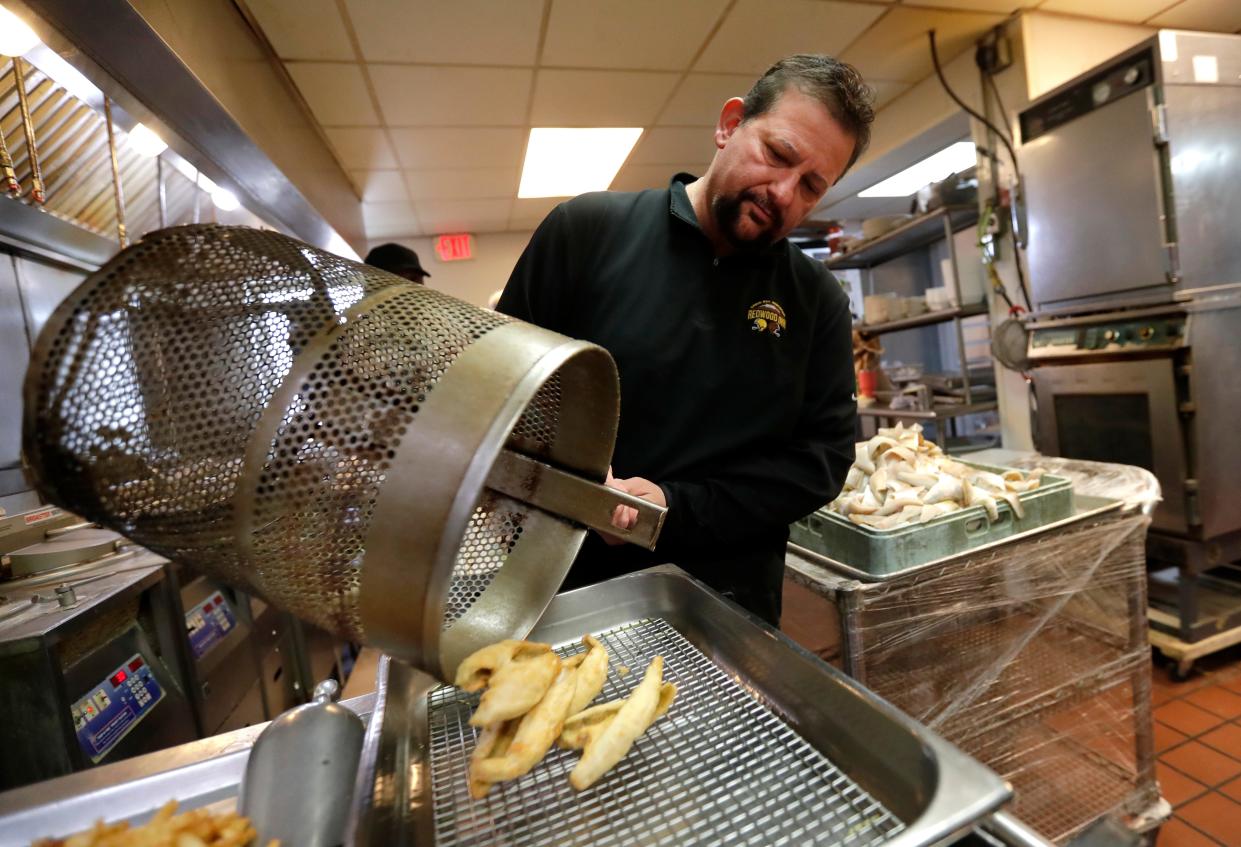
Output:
x=494 y=740
x=581 y=728
x=631 y=720
x=474 y=673
x=515 y=687
x=591 y=674
x=534 y=736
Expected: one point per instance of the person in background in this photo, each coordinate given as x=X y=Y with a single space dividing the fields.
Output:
x=734 y=351
x=397 y=259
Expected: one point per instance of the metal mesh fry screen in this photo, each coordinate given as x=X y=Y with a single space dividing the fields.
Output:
x=718 y=768
x=240 y=400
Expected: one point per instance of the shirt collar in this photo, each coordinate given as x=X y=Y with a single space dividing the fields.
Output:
x=681 y=207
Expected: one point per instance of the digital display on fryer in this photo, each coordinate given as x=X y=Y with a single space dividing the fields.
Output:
x=111 y=709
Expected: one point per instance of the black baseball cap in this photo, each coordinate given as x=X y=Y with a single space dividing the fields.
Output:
x=397 y=259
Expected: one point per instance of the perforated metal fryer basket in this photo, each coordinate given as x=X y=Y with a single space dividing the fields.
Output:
x=358 y=450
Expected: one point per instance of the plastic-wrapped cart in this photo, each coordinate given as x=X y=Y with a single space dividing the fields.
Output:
x=1030 y=654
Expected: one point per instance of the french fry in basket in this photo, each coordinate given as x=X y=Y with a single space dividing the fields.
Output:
x=631 y=720
x=195 y=828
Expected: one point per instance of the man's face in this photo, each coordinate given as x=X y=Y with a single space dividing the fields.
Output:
x=770 y=172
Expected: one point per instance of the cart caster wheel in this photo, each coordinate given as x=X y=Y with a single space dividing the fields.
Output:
x=1182 y=670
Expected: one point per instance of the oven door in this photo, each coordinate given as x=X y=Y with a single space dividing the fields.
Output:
x=1123 y=412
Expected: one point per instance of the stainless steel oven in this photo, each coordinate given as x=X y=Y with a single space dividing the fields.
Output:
x=1119 y=411
x=1130 y=172
x=1157 y=387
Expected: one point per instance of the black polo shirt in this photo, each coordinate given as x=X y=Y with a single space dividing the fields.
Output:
x=736 y=377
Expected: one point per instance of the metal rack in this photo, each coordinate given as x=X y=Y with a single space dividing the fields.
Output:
x=918 y=233
x=1031 y=656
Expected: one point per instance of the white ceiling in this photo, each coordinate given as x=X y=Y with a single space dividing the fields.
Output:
x=427 y=104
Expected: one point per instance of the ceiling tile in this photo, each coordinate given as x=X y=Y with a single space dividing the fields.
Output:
x=758 y=32
x=335 y=91
x=1003 y=7
x=1207 y=15
x=663 y=146
x=1131 y=11
x=639 y=177
x=379 y=186
x=385 y=220
x=700 y=97
x=423 y=149
x=886 y=92
x=302 y=29
x=361 y=149
x=427 y=96
x=896 y=48
x=646 y=34
x=469 y=32
x=462 y=184
x=599 y=98
x=440 y=216
x=529 y=212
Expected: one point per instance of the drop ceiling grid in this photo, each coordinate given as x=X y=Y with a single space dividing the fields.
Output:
x=428 y=105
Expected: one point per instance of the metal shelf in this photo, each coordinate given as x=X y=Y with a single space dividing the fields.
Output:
x=939 y=316
x=938 y=413
x=918 y=232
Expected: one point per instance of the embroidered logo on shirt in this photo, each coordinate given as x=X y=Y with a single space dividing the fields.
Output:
x=767 y=316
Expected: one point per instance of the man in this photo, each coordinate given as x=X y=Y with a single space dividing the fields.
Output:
x=397 y=259
x=734 y=351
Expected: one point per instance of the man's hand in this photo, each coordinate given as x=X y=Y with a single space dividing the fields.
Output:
x=625 y=517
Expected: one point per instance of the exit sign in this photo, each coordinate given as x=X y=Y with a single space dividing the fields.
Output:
x=453 y=248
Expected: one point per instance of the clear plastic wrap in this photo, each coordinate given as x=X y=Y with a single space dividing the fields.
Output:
x=1136 y=487
x=1030 y=656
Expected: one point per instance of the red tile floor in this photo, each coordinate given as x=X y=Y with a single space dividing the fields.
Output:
x=1198 y=740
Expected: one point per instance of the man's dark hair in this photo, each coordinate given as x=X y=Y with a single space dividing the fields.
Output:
x=835 y=84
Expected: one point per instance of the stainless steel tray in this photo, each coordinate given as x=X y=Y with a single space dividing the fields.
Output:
x=878 y=552
x=765 y=744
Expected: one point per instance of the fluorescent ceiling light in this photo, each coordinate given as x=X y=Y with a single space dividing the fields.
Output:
x=562 y=162
x=15 y=37
x=225 y=200
x=952 y=159
x=145 y=142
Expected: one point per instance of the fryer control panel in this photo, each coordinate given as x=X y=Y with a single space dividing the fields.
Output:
x=209 y=623
x=1142 y=335
x=111 y=709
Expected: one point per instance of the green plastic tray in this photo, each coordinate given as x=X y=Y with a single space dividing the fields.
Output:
x=886 y=551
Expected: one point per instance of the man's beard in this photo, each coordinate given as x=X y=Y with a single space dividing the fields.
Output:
x=727 y=212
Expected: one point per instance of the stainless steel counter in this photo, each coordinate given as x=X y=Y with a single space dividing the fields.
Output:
x=201 y=773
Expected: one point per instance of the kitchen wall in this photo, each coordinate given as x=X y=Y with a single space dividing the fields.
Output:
x=472 y=280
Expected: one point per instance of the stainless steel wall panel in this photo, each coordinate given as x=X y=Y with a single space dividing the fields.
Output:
x=1204 y=125
x=1216 y=338
x=15 y=353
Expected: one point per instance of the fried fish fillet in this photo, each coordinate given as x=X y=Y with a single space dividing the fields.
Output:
x=475 y=672
x=581 y=728
x=494 y=740
x=534 y=735
x=631 y=720
x=591 y=674
x=515 y=687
